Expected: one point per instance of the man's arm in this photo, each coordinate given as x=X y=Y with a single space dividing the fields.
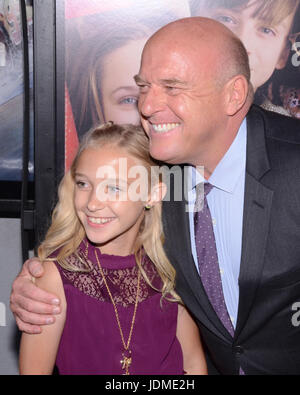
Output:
x=32 y=306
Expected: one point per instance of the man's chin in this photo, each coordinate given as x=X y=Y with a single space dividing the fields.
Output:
x=165 y=157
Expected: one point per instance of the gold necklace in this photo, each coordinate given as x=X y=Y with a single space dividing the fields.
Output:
x=127 y=355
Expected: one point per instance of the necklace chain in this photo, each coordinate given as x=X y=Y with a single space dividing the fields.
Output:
x=127 y=359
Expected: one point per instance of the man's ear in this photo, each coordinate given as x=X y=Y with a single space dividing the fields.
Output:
x=281 y=63
x=158 y=192
x=236 y=91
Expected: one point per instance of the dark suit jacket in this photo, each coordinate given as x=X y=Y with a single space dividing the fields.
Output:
x=265 y=341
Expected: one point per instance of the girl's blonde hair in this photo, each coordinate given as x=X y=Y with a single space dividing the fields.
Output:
x=66 y=231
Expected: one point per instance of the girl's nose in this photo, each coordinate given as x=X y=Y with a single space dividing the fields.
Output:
x=94 y=203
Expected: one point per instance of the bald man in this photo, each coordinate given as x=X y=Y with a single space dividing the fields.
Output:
x=237 y=259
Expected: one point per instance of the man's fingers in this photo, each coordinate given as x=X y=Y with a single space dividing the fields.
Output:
x=35 y=267
x=28 y=290
x=31 y=305
x=26 y=305
x=35 y=319
x=27 y=328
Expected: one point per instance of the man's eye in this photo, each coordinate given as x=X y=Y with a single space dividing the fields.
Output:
x=172 y=90
x=143 y=88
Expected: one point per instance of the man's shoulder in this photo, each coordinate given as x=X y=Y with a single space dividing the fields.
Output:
x=277 y=126
x=275 y=135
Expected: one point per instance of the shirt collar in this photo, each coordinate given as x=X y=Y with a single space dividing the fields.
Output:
x=229 y=169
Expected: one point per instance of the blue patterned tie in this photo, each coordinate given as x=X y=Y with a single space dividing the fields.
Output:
x=208 y=257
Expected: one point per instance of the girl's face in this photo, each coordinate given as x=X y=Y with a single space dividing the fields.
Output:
x=107 y=199
x=119 y=92
x=267 y=45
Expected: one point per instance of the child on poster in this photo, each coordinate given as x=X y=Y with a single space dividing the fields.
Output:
x=264 y=27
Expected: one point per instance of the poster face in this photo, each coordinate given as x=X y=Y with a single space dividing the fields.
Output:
x=11 y=89
x=104 y=41
x=270 y=31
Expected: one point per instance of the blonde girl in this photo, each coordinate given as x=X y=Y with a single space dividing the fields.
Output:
x=103 y=257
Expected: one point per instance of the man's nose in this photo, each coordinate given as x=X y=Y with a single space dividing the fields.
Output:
x=151 y=102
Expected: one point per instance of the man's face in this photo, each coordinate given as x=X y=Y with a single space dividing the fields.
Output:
x=179 y=103
x=266 y=44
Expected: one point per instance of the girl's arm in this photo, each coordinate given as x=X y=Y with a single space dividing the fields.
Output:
x=188 y=335
x=38 y=352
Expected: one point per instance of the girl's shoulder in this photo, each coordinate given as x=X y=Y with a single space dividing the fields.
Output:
x=51 y=280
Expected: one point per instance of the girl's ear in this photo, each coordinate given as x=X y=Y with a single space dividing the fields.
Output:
x=158 y=192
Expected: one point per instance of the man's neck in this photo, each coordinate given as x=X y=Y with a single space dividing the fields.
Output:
x=211 y=158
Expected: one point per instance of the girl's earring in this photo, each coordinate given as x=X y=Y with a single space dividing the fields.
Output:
x=147 y=207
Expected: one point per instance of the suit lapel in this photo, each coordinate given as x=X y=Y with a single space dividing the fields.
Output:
x=257 y=209
x=256 y=219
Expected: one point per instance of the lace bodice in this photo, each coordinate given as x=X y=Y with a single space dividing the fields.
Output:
x=91 y=341
x=121 y=274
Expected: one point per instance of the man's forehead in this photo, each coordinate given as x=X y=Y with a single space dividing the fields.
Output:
x=167 y=70
x=174 y=51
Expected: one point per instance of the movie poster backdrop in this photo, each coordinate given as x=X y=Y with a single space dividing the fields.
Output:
x=104 y=40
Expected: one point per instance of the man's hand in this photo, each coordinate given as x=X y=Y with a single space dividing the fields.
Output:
x=31 y=305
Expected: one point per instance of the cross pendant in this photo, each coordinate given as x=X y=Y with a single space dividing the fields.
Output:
x=126 y=362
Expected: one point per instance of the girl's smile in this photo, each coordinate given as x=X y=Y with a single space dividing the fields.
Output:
x=92 y=221
x=111 y=220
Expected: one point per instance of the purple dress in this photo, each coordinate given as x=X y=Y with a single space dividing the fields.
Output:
x=91 y=341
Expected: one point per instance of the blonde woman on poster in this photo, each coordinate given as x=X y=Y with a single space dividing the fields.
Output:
x=103 y=54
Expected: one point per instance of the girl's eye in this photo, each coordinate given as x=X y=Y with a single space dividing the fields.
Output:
x=267 y=31
x=129 y=100
x=81 y=184
x=114 y=188
x=225 y=19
